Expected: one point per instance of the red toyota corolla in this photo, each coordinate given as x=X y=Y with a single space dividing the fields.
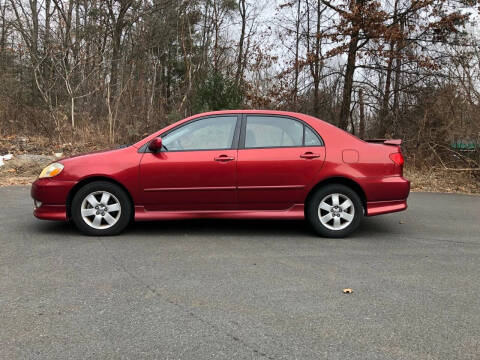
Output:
x=241 y=164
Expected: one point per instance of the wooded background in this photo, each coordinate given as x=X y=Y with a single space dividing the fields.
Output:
x=114 y=71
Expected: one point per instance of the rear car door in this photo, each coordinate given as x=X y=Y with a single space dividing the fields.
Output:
x=278 y=159
x=196 y=169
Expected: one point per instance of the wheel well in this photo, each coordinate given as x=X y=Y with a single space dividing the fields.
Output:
x=344 y=181
x=89 y=180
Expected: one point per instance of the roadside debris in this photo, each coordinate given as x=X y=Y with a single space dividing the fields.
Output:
x=347 y=291
x=22 y=168
x=5 y=157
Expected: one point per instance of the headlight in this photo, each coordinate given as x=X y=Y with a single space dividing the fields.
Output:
x=51 y=170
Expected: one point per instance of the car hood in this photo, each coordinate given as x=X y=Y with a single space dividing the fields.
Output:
x=92 y=154
x=116 y=163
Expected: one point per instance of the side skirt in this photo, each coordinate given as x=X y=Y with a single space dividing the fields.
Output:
x=296 y=212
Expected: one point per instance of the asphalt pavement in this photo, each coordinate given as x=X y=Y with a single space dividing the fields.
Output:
x=243 y=289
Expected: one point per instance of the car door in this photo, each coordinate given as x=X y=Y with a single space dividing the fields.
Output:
x=278 y=159
x=196 y=169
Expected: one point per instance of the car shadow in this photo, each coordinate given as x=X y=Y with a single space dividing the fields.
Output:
x=222 y=227
x=376 y=226
x=370 y=227
x=54 y=228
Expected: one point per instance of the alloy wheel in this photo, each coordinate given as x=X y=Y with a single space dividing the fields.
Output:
x=336 y=211
x=100 y=210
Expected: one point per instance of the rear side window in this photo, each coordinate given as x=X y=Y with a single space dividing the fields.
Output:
x=272 y=131
x=311 y=139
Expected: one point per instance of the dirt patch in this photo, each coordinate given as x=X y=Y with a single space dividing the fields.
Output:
x=32 y=154
x=23 y=169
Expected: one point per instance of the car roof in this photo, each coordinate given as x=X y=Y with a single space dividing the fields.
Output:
x=308 y=118
x=239 y=111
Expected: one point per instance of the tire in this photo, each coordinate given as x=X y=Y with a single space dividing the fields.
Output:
x=349 y=211
x=101 y=208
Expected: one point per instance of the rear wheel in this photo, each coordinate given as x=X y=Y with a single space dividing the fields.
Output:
x=334 y=211
x=101 y=208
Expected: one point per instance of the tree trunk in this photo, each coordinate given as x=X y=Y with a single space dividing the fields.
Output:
x=118 y=24
x=73 y=112
x=397 y=81
x=216 y=25
x=3 y=35
x=243 y=16
x=313 y=56
x=383 y=125
x=317 y=62
x=297 y=45
x=361 y=130
x=34 y=44
x=348 y=83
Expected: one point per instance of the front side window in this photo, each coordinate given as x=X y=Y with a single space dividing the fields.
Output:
x=205 y=134
x=271 y=131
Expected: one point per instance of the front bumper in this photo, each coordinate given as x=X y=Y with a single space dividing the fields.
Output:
x=53 y=196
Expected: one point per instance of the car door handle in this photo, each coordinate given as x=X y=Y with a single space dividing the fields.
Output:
x=309 y=155
x=223 y=158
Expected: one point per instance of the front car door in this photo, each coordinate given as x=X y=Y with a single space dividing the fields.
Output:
x=278 y=158
x=196 y=169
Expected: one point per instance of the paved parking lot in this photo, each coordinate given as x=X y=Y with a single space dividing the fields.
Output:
x=243 y=289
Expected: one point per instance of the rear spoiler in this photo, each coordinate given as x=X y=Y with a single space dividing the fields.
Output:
x=396 y=142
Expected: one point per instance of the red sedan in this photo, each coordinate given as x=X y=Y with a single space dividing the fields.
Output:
x=241 y=164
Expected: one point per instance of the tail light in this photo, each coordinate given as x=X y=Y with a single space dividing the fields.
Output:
x=397 y=158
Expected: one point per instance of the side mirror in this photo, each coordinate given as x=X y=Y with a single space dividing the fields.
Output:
x=155 y=145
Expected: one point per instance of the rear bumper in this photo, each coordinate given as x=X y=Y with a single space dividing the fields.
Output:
x=385 y=207
x=386 y=188
x=383 y=191
x=53 y=196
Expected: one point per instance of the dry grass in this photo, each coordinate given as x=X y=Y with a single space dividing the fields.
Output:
x=438 y=180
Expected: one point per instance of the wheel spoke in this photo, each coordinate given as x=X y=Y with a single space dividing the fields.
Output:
x=325 y=206
x=113 y=207
x=92 y=200
x=346 y=204
x=335 y=200
x=105 y=198
x=326 y=218
x=340 y=211
x=346 y=216
x=336 y=222
x=88 y=212
x=109 y=219
x=98 y=220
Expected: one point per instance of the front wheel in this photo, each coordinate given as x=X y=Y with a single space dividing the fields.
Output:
x=101 y=208
x=334 y=211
